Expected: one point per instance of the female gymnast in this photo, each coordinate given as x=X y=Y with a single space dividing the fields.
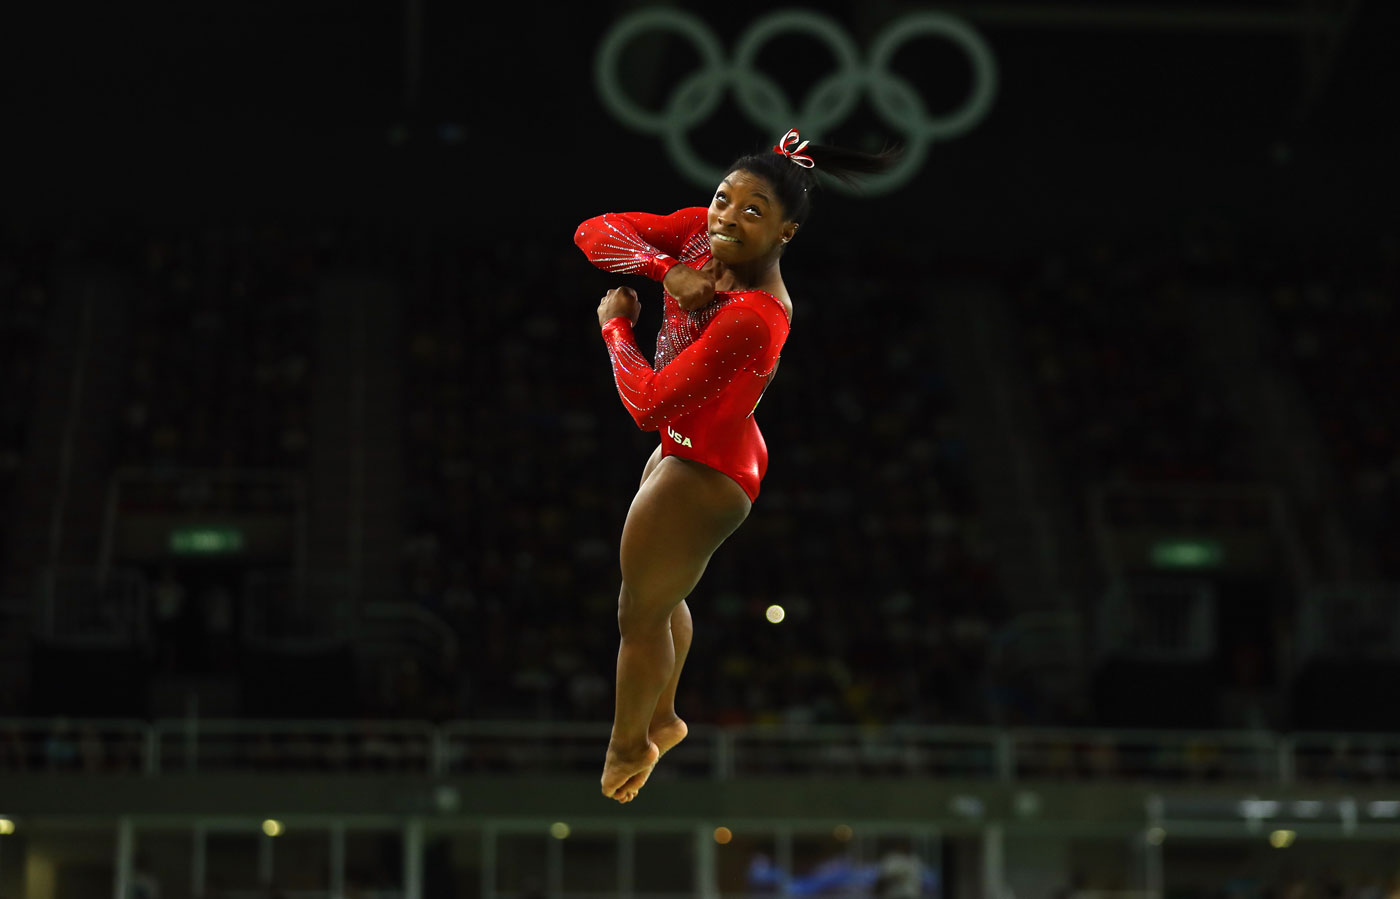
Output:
x=726 y=317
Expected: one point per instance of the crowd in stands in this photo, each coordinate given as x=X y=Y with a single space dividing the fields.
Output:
x=220 y=329
x=1108 y=342
x=1337 y=309
x=26 y=272
x=520 y=461
x=222 y=342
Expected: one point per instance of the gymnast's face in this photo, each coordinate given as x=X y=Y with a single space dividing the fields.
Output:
x=747 y=222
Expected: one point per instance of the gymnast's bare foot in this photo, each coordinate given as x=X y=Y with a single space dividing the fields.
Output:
x=668 y=734
x=625 y=770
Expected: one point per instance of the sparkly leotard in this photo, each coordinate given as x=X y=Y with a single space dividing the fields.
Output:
x=712 y=365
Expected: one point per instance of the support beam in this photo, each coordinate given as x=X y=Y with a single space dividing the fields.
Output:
x=993 y=862
x=265 y=860
x=413 y=859
x=706 y=879
x=554 y=867
x=337 y=860
x=784 y=860
x=199 y=862
x=488 y=862
x=126 y=848
x=1154 y=880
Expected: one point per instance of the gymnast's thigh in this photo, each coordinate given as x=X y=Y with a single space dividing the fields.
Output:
x=678 y=518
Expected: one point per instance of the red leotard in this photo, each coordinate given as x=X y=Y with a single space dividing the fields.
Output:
x=712 y=365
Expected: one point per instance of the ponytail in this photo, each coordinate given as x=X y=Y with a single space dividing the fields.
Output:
x=791 y=168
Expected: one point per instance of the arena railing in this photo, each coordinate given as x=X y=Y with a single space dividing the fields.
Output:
x=478 y=748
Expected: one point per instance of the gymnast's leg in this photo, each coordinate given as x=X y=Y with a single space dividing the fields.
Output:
x=667 y=728
x=679 y=517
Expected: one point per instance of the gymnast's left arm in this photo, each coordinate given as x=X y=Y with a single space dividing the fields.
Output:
x=639 y=243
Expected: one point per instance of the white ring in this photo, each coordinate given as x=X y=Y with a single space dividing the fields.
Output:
x=829 y=102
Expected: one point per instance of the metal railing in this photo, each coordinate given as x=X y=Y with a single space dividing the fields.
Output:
x=464 y=748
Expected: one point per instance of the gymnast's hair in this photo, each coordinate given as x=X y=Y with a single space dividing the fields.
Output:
x=795 y=183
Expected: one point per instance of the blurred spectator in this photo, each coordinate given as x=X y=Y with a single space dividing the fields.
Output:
x=216 y=604
x=61 y=746
x=168 y=615
x=902 y=873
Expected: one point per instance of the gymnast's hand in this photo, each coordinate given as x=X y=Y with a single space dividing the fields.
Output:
x=619 y=301
x=691 y=289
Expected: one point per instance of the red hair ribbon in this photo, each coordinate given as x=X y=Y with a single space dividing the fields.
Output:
x=795 y=154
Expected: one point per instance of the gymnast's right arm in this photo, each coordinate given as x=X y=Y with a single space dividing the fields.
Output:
x=729 y=346
x=639 y=243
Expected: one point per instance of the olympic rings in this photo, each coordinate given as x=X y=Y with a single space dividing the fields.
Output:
x=830 y=101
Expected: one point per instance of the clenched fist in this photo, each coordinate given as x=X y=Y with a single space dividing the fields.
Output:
x=619 y=301
x=691 y=289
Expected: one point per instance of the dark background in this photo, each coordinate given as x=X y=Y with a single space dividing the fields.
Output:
x=230 y=192
x=264 y=109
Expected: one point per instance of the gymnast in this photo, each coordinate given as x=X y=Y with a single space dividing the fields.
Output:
x=726 y=317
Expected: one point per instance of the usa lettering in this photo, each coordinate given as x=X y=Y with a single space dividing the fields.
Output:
x=680 y=441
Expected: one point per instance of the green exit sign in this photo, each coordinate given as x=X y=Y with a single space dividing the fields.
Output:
x=1187 y=553
x=206 y=541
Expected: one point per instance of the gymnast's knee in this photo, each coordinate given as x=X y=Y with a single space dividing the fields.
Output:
x=638 y=614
